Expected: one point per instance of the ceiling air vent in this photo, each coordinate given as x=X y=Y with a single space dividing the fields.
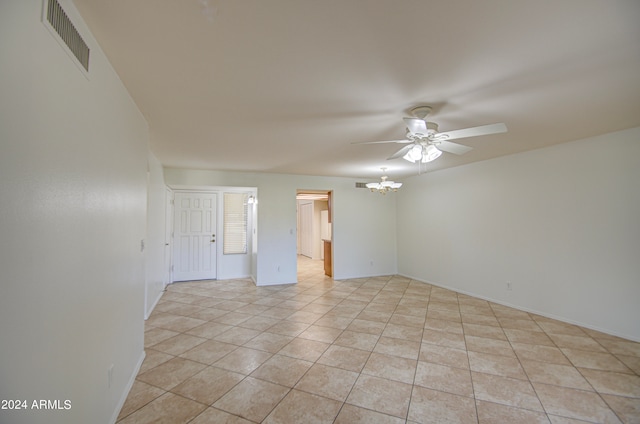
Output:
x=61 y=23
x=361 y=185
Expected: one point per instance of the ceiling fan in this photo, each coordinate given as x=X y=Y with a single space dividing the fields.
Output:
x=425 y=143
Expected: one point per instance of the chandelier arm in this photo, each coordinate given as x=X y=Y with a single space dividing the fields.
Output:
x=384 y=186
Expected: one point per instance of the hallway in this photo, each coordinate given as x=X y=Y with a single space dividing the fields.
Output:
x=311 y=269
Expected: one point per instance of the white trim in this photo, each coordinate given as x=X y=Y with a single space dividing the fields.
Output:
x=235 y=277
x=532 y=311
x=125 y=394
x=275 y=284
x=147 y=314
x=200 y=188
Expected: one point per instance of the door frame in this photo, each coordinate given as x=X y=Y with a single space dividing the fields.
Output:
x=330 y=201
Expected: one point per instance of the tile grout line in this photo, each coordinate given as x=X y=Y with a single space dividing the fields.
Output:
x=347 y=291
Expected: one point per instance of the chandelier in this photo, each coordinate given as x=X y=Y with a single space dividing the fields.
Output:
x=384 y=186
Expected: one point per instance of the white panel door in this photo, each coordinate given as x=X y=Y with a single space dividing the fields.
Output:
x=168 y=217
x=306 y=229
x=194 y=236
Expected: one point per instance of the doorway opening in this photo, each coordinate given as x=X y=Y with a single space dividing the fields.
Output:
x=314 y=234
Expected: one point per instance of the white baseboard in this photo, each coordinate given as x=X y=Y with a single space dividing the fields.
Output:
x=123 y=398
x=532 y=311
x=233 y=277
x=147 y=314
x=275 y=284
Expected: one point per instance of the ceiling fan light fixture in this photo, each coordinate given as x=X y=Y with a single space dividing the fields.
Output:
x=424 y=154
x=414 y=154
x=431 y=153
x=427 y=144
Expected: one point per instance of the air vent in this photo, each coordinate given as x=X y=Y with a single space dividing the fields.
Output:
x=361 y=185
x=61 y=23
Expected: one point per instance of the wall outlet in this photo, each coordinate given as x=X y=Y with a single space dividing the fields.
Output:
x=509 y=287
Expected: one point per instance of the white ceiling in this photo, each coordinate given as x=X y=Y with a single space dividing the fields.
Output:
x=288 y=85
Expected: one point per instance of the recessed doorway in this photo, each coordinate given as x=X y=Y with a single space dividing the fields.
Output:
x=314 y=234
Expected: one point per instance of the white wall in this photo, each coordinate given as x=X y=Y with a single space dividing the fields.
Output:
x=562 y=224
x=73 y=157
x=156 y=223
x=363 y=222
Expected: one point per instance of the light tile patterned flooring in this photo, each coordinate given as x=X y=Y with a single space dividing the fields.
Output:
x=371 y=350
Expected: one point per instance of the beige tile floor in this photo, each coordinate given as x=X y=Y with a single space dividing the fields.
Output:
x=371 y=350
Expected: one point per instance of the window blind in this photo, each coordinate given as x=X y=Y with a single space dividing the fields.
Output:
x=235 y=223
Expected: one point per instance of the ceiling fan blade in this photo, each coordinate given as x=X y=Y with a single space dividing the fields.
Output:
x=474 y=131
x=455 y=148
x=381 y=142
x=401 y=152
x=416 y=126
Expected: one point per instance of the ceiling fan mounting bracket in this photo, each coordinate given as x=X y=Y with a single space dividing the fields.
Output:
x=421 y=111
x=432 y=132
